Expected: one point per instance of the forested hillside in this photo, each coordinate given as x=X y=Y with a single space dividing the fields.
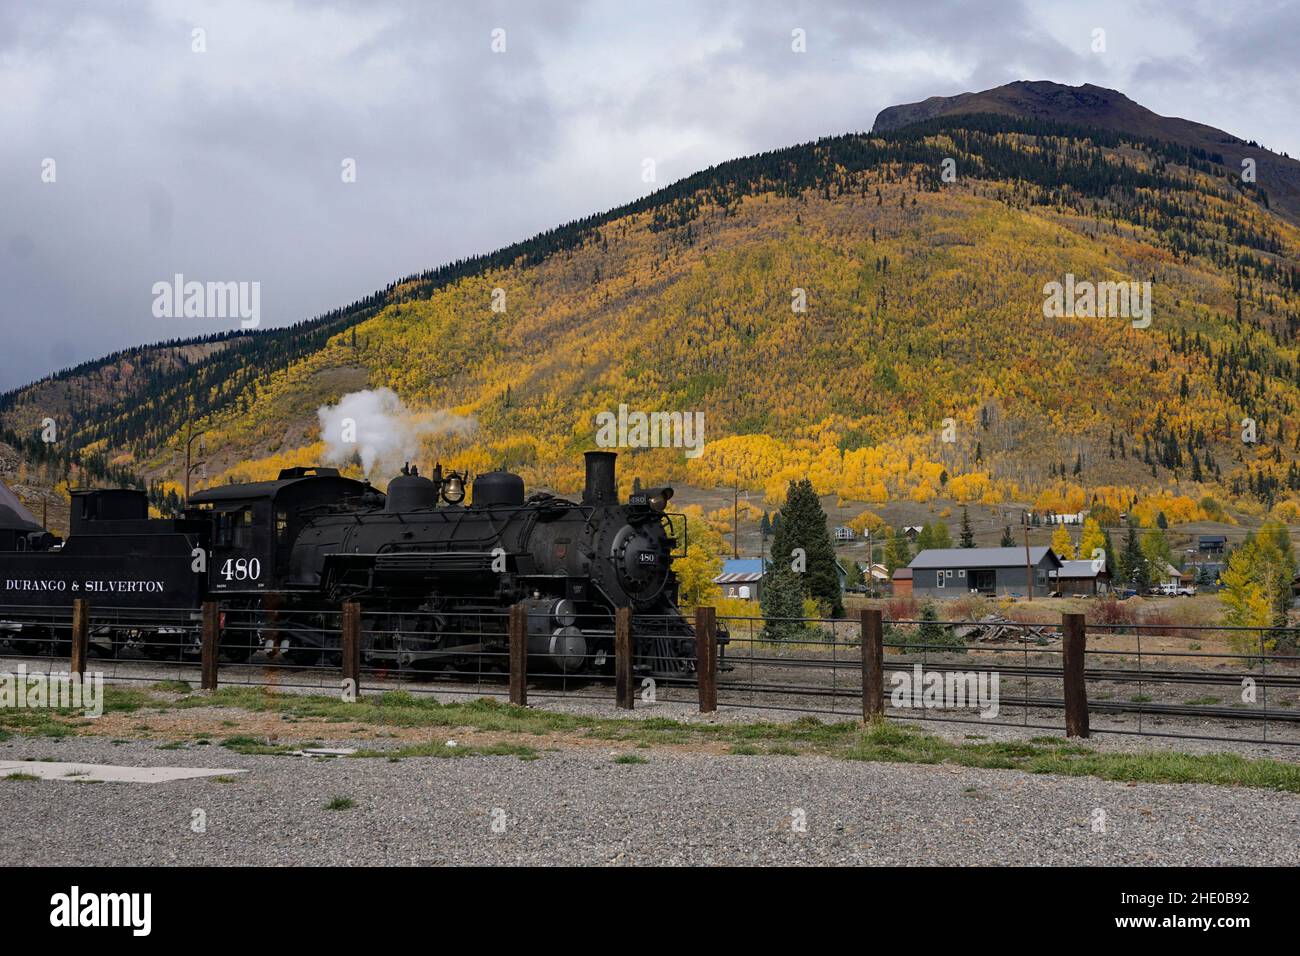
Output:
x=837 y=310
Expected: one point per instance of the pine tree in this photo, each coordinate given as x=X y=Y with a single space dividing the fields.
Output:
x=1008 y=539
x=803 y=525
x=931 y=632
x=781 y=600
x=967 y=534
x=1133 y=563
x=1111 y=564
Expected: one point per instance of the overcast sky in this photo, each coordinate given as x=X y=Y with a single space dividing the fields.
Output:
x=226 y=164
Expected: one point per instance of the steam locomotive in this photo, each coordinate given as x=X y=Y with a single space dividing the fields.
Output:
x=432 y=574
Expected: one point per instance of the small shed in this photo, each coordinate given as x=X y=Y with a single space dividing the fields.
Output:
x=902 y=581
x=1081 y=578
x=742 y=578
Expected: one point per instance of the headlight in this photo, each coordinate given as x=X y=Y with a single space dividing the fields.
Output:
x=658 y=499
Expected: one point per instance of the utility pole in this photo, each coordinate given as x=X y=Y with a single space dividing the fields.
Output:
x=1029 y=574
x=735 y=515
x=871 y=566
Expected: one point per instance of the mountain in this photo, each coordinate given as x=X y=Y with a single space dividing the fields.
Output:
x=1096 y=106
x=866 y=310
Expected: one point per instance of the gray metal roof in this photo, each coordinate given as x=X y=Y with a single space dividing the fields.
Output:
x=981 y=557
x=1079 y=569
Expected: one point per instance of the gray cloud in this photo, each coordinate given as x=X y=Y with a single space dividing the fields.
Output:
x=225 y=165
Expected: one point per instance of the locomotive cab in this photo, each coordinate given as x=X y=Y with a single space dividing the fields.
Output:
x=255 y=525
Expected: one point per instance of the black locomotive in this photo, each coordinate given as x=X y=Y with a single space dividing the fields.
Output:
x=432 y=574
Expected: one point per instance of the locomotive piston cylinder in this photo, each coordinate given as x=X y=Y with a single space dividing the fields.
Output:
x=553 y=636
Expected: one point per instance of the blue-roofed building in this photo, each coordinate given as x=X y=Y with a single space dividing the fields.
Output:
x=742 y=578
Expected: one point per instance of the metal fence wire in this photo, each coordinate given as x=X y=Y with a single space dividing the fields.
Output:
x=1198 y=682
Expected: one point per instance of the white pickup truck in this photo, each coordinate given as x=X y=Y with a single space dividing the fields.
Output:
x=1173 y=589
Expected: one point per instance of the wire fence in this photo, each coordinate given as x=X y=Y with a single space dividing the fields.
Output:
x=1200 y=682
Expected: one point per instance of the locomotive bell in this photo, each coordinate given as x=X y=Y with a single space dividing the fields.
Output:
x=453 y=489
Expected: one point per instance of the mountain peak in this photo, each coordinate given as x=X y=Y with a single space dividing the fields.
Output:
x=1043 y=99
x=1096 y=106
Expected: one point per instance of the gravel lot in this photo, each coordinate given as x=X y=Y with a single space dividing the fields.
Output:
x=580 y=807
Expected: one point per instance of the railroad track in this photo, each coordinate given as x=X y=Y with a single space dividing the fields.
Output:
x=1280 y=679
x=734 y=682
x=1046 y=703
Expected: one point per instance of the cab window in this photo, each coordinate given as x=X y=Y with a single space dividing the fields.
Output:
x=234 y=529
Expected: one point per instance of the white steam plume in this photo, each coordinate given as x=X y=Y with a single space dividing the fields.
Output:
x=377 y=427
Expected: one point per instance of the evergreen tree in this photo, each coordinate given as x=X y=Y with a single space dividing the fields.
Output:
x=1133 y=563
x=781 y=600
x=967 y=534
x=803 y=525
x=931 y=632
x=1008 y=539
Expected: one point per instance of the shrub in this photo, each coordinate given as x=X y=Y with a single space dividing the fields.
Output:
x=929 y=635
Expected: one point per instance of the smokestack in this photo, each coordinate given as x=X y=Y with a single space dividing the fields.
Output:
x=602 y=484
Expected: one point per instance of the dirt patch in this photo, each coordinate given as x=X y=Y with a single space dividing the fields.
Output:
x=218 y=723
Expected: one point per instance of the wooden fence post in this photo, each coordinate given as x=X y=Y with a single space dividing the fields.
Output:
x=519 y=655
x=623 y=688
x=873 y=664
x=210 y=648
x=80 y=636
x=706 y=657
x=350 y=645
x=1074 y=648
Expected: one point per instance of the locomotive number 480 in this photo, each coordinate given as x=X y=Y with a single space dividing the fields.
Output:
x=241 y=569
